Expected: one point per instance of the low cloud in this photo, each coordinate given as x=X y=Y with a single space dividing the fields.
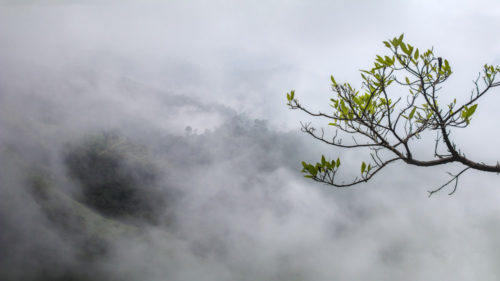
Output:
x=199 y=134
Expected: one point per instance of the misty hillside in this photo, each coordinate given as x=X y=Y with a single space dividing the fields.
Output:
x=105 y=186
x=151 y=141
x=166 y=187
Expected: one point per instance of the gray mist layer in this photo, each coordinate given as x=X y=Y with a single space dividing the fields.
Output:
x=197 y=90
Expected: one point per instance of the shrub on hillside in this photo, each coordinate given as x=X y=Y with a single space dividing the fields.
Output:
x=116 y=177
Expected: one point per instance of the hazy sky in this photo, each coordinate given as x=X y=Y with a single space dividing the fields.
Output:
x=73 y=67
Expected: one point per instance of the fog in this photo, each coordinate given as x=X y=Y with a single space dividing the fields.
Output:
x=188 y=98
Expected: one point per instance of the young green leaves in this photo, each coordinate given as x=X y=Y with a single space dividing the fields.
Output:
x=467 y=113
x=321 y=168
x=365 y=169
x=489 y=73
x=290 y=96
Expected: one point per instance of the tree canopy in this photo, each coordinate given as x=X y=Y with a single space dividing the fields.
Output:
x=386 y=124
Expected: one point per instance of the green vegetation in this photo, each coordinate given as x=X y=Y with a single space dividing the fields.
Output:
x=119 y=195
x=64 y=210
x=116 y=177
x=87 y=231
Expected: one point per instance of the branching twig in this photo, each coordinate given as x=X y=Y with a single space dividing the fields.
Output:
x=454 y=178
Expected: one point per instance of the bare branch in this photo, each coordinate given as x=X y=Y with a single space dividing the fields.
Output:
x=453 y=179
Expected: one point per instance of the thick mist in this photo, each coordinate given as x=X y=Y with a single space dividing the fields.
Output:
x=182 y=106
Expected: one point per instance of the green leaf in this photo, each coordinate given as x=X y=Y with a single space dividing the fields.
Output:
x=363 y=167
x=464 y=112
x=415 y=56
x=468 y=111
x=333 y=80
x=343 y=107
x=312 y=170
x=328 y=165
x=380 y=59
x=388 y=60
x=471 y=110
x=292 y=94
x=400 y=39
x=405 y=50
x=410 y=50
x=338 y=162
x=387 y=44
x=323 y=160
x=412 y=113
